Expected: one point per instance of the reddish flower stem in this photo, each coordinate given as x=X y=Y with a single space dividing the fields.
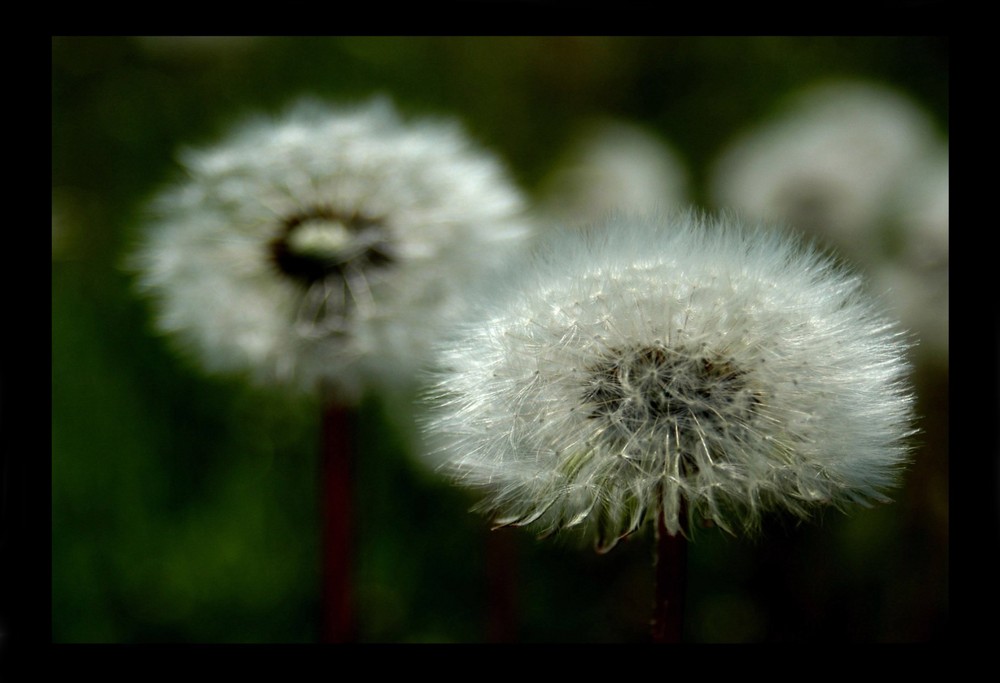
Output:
x=336 y=501
x=501 y=570
x=671 y=572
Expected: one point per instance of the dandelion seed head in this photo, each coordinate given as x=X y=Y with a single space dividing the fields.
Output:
x=611 y=164
x=827 y=163
x=324 y=245
x=648 y=364
x=915 y=273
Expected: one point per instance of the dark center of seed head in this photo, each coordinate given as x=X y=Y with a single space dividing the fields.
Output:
x=320 y=242
x=656 y=386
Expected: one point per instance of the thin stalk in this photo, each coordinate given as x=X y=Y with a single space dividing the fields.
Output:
x=670 y=566
x=337 y=469
x=501 y=568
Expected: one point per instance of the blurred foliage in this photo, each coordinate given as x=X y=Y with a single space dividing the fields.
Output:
x=184 y=507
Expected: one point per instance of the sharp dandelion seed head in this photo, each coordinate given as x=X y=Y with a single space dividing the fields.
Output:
x=322 y=246
x=668 y=364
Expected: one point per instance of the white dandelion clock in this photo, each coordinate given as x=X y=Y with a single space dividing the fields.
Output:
x=827 y=164
x=921 y=211
x=675 y=366
x=915 y=274
x=320 y=251
x=320 y=247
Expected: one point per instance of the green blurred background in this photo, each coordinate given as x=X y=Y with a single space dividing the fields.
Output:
x=184 y=507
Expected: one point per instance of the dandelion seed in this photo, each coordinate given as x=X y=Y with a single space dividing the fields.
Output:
x=648 y=366
x=322 y=246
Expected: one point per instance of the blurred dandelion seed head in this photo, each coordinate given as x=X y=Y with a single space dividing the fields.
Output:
x=827 y=163
x=325 y=245
x=649 y=364
x=613 y=165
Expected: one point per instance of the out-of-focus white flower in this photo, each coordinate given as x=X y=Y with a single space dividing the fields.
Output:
x=827 y=164
x=324 y=246
x=916 y=276
x=613 y=166
x=920 y=208
x=649 y=364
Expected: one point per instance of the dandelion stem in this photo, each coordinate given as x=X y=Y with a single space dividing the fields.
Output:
x=671 y=572
x=501 y=558
x=336 y=500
